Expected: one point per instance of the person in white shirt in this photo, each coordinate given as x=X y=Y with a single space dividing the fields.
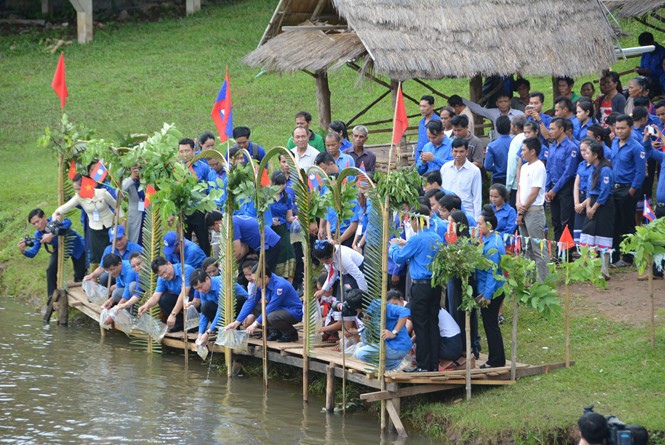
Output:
x=339 y=260
x=303 y=152
x=450 y=345
x=531 y=204
x=463 y=178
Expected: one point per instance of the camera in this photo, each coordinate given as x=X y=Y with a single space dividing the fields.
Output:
x=55 y=228
x=618 y=432
x=651 y=130
x=29 y=242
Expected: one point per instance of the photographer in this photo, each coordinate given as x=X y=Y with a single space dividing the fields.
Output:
x=46 y=233
x=593 y=429
x=598 y=429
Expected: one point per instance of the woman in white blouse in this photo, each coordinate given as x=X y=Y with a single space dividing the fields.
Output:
x=99 y=209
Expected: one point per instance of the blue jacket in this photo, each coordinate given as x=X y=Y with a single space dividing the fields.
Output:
x=331 y=217
x=493 y=248
x=629 y=163
x=584 y=170
x=402 y=342
x=561 y=164
x=659 y=156
x=442 y=154
x=419 y=251
x=131 y=247
x=496 y=158
x=194 y=256
x=246 y=230
x=78 y=247
x=280 y=294
x=506 y=219
x=422 y=134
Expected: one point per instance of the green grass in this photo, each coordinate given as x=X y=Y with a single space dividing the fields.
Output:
x=136 y=76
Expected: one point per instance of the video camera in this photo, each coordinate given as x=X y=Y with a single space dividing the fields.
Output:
x=618 y=432
x=55 y=227
x=29 y=241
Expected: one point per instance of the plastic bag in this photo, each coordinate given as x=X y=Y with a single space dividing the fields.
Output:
x=123 y=320
x=96 y=293
x=154 y=328
x=191 y=318
x=201 y=350
x=106 y=313
x=232 y=338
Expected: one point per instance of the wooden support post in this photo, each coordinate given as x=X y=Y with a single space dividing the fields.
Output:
x=83 y=19
x=475 y=92
x=47 y=7
x=391 y=424
x=555 y=89
x=323 y=98
x=330 y=388
x=193 y=6
x=63 y=307
x=393 y=412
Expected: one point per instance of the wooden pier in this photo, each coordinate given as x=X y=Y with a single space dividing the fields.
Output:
x=324 y=360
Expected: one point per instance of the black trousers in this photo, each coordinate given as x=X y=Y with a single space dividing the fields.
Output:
x=300 y=266
x=281 y=320
x=99 y=239
x=490 y=314
x=195 y=223
x=498 y=181
x=450 y=348
x=166 y=303
x=454 y=301
x=563 y=210
x=513 y=198
x=209 y=308
x=348 y=242
x=52 y=272
x=272 y=256
x=425 y=304
x=624 y=220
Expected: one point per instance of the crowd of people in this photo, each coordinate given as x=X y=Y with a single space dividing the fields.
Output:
x=589 y=161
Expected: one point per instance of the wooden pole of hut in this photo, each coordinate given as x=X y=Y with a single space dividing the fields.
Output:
x=467 y=334
x=323 y=97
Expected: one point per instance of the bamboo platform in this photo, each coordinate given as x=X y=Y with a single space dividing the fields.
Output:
x=324 y=360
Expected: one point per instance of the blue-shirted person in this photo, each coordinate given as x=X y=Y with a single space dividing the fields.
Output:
x=534 y=113
x=123 y=248
x=564 y=108
x=283 y=307
x=333 y=143
x=629 y=168
x=496 y=157
x=340 y=128
x=132 y=293
x=506 y=215
x=437 y=151
x=561 y=169
x=195 y=222
x=418 y=251
x=123 y=273
x=580 y=188
x=241 y=136
x=169 y=292
x=206 y=290
x=46 y=234
x=427 y=111
x=194 y=256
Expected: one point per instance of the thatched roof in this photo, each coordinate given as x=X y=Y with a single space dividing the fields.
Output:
x=633 y=8
x=406 y=39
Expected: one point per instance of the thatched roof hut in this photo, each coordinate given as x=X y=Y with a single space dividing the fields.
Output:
x=406 y=39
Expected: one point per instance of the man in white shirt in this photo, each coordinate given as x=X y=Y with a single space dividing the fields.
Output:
x=517 y=128
x=463 y=178
x=303 y=152
x=531 y=204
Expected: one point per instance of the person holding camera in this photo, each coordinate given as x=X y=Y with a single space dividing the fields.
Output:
x=46 y=233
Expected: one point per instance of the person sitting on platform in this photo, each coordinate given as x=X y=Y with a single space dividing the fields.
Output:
x=44 y=234
x=283 y=307
x=121 y=270
x=395 y=333
x=194 y=256
x=123 y=249
x=132 y=293
x=207 y=290
x=169 y=291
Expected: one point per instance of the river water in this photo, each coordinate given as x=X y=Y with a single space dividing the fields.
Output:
x=70 y=386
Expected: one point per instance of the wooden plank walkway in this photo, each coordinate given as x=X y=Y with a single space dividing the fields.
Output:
x=323 y=360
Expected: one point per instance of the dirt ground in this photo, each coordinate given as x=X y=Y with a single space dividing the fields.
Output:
x=624 y=300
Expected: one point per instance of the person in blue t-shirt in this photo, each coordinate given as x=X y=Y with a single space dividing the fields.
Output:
x=496 y=157
x=169 y=292
x=241 y=136
x=283 y=307
x=437 y=151
x=206 y=290
x=123 y=248
x=123 y=273
x=505 y=214
x=193 y=254
x=44 y=235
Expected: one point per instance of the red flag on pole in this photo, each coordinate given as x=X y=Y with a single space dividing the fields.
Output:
x=72 y=169
x=87 y=187
x=265 y=178
x=59 y=83
x=401 y=122
x=566 y=239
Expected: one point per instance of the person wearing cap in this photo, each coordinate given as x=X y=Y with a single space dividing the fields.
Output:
x=123 y=248
x=194 y=256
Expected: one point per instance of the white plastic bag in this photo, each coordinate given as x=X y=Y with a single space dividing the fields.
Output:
x=106 y=313
x=191 y=318
x=232 y=338
x=201 y=350
x=154 y=328
x=96 y=293
x=123 y=320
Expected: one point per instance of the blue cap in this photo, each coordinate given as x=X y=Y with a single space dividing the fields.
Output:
x=121 y=233
x=170 y=243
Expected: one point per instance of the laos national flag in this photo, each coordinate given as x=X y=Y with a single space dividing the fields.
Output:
x=314 y=181
x=99 y=172
x=648 y=211
x=222 y=112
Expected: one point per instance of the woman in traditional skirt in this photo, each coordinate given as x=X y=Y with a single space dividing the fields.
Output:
x=584 y=170
x=598 y=228
x=282 y=212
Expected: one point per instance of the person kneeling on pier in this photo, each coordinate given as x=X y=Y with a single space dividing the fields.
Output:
x=283 y=307
x=451 y=346
x=169 y=292
x=122 y=273
x=207 y=290
x=395 y=333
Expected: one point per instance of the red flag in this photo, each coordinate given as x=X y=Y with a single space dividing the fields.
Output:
x=566 y=239
x=87 y=188
x=72 y=169
x=149 y=191
x=222 y=110
x=401 y=122
x=265 y=179
x=59 y=83
x=451 y=235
